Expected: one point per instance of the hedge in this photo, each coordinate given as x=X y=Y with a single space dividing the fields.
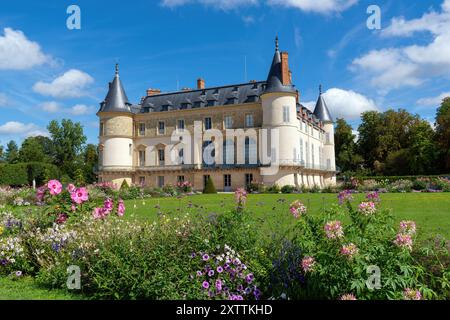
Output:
x=20 y=174
x=395 y=178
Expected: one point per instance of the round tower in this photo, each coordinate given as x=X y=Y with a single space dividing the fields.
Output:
x=279 y=101
x=323 y=114
x=116 y=135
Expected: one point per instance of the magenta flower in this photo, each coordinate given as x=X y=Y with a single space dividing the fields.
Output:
x=308 y=263
x=205 y=257
x=367 y=208
x=205 y=284
x=348 y=296
x=219 y=269
x=80 y=195
x=333 y=230
x=40 y=193
x=62 y=217
x=410 y=294
x=55 y=187
x=219 y=285
x=240 y=196
x=373 y=196
x=71 y=188
x=100 y=213
x=297 y=208
x=345 y=196
x=408 y=227
x=210 y=273
x=404 y=241
x=349 y=250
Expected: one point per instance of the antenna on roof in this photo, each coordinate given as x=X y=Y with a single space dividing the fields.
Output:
x=276 y=43
x=117 y=68
x=320 y=88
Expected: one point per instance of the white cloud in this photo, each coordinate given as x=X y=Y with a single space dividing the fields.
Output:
x=345 y=104
x=433 y=101
x=322 y=6
x=4 y=101
x=19 y=53
x=51 y=106
x=317 y=6
x=395 y=67
x=248 y=20
x=80 y=109
x=71 y=84
x=21 y=129
x=220 y=4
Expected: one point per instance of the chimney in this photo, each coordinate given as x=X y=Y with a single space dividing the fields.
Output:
x=152 y=92
x=285 y=72
x=200 y=83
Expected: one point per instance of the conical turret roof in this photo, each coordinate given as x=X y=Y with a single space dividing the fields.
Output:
x=116 y=100
x=321 y=110
x=274 y=82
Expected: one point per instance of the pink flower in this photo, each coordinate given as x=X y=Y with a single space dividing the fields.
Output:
x=373 y=196
x=108 y=204
x=55 y=187
x=121 y=208
x=348 y=296
x=308 y=263
x=407 y=227
x=100 y=213
x=333 y=230
x=71 y=188
x=410 y=294
x=240 y=195
x=297 y=208
x=40 y=193
x=404 y=241
x=73 y=207
x=80 y=195
x=349 y=250
x=345 y=196
x=367 y=208
x=62 y=217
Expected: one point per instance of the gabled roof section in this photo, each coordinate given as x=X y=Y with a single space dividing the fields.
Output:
x=321 y=110
x=274 y=82
x=116 y=100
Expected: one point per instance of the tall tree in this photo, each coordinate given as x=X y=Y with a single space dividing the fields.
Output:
x=1 y=153
x=443 y=133
x=68 y=140
x=32 y=149
x=12 y=152
x=90 y=156
x=347 y=158
x=422 y=153
x=368 y=137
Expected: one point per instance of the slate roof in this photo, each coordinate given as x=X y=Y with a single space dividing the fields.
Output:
x=201 y=98
x=321 y=110
x=116 y=99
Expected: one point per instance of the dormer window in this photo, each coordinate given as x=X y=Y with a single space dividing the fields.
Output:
x=165 y=107
x=185 y=105
x=211 y=103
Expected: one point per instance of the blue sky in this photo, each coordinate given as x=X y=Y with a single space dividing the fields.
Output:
x=50 y=72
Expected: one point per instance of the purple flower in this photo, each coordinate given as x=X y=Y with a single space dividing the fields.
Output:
x=210 y=273
x=205 y=257
x=205 y=284
x=18 y=273
x=199 y=273
x=193 y=255
x=219 y=269
x=249 y=278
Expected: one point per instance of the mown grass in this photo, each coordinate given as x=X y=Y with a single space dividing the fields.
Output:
x=431 y=211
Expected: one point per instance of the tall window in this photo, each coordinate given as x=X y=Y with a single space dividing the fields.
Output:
x=248 y=178
x=228 y=151
x=141 y=158
x=161 y=157
x=180 y=125
x=312 y=155
x=180 y=179
x=227 y=180
x=285 y=114
x=160 y=181
x=142 y=181
x=208 y=123
x=205 y=179
x=250 y=151
x=301 y=150
x=307 y=151
x=142 y=129
x=327 y=137
x=228 y=122
x=161 y=127
x=181 y=155
x=209 y=153
x=249 y=120
x=102 y=129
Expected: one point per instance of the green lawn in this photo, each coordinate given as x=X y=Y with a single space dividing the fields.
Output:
x=431 y=211
x=26 y=289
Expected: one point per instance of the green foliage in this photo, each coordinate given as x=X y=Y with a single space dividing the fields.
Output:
x=273 y=189
x=287 y=189
x=347 y=157
x=20 y=174
x=124 y=185
x=12 y=152
x=209 y=186
x=33 y=149
x=443 y=133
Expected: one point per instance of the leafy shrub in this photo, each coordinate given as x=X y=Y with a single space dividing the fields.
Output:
x=13 y=174
x=419 y=184
x=256 y=187
x=170 y=190
x=124 y=184
x=287 y=189
x=273 y=189
x=400 y=186
x=209 y=186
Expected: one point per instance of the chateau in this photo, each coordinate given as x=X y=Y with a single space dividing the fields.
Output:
x=255 y=132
